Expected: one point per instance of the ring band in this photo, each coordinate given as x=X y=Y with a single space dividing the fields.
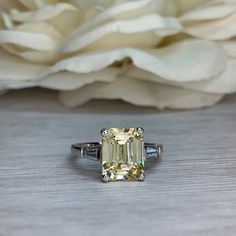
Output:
x=122 y=153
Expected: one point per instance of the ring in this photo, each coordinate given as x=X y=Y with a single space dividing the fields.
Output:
x=122 y=153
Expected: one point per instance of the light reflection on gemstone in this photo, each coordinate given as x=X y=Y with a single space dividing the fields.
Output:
x=123 y=154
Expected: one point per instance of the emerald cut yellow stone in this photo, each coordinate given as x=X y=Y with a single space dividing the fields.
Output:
x=123 y=154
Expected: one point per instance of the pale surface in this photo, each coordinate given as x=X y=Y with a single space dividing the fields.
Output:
x=190 y=191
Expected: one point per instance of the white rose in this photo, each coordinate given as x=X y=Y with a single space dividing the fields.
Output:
x=130 y=50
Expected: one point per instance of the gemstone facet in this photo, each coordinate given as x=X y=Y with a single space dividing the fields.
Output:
x=123 y=154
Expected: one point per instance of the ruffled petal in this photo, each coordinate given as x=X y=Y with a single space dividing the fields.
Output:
x=224 y=83
x=184 y=61
x=187 y=5
x=38 y=36
x=44 y=13
x=25 y=39
x=16 y=74
x=144 y=25
x=13 y=68
x=61 y=81
x=35 y=4
x=209 y=13
x=214 y=30
x=229 y=47
x=213 y=21
x=122 y=11
x=111 y=50
x=140 y=93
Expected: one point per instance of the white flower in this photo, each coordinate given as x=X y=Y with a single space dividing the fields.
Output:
x=147 y=52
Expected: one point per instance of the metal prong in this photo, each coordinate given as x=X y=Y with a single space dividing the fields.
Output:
x=103 y=131
x=105 y=179
x=141 y=177
x=140 y=130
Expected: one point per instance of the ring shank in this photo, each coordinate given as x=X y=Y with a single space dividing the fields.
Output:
x=93 y=150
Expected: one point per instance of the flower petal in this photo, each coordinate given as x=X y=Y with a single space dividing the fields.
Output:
x=229 y=47
x=209 y=13
x=26 y=39
x=66 y=22
x=41 y=52
x=184 y=61
x=17 y=69
x=214 y=21
x=214 y=30
x=40 y=57
x=224 y=83
x=124 y=10
x=70 y=81
x=140 y=93
x=62 y=81
x=6 y=21
x=35 y=4
x=187 y=5
x=44 y=13
x=142 y=24
x=38 y=36
x=16 y=73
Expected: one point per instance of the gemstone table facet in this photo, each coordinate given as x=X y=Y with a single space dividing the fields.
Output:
x=123 y=154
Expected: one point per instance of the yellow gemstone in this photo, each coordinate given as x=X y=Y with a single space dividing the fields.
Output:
x=123 y=154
